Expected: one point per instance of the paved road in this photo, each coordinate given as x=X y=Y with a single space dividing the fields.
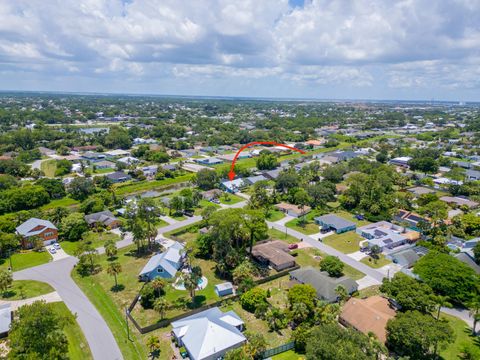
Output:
x=367 y=270
x=462 y=314
x=96 y=331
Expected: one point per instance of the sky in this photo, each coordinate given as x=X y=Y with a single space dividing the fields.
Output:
x=337 y=49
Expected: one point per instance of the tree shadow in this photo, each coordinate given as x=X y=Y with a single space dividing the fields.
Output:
x=155 y=354
x=112 y=258
x=198 y=300
x=117 y=288
x=8 y=294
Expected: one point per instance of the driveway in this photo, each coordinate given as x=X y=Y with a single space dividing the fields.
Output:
x=59 y=253
x=50 y=297
x=284 y=220
x=96 y=331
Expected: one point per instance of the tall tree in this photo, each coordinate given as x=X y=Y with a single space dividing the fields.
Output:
x=113 y=269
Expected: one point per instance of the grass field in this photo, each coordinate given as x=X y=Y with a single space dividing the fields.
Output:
x=462 y=337
x=64 y=202
x=25 y=259
x=231 y=199
x=24 y=289
x=275 y=215
x=123 y=189
x=78 y=348
x=104 y=171
x=308 y=229
x=382 y=261
x=49 y=167
x=347 y=242
x=288 y=355
x=280 y=235
x=312 y=257
x=94 y=238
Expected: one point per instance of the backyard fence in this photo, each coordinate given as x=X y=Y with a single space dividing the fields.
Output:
x=165 y=322
x=278 y=350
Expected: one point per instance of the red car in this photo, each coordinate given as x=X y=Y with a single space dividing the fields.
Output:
x=292 y=246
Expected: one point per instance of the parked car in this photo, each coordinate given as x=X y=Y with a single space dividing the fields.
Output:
x=360 y=217
x=293 y=246
x=57 y=246
x=52 y=250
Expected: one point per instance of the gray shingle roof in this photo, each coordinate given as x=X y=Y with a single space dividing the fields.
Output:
x=335 y=221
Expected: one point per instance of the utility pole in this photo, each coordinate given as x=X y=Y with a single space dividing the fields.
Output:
x=10 y=259
x=126 y=322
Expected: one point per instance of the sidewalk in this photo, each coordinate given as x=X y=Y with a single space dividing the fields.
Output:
x=50 y=297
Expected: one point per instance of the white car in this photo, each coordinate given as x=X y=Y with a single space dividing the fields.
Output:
x=52 y=250
x=56 y=246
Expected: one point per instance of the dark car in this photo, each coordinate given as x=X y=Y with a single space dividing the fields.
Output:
x=360 y=217
x=293 y=246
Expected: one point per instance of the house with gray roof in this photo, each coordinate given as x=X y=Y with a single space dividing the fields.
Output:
x=336 y=223
x=472 y=175
x=467 y=259
x=405 y=258
x=103 y=218
x=118 y=176
x=165 y=264
x=323 y=284
x=210 y=334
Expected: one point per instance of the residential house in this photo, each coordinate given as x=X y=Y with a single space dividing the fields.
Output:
x=104 y=164
x=335 y=223
x=274 y=254
x=224 y=289
x=410 y=218
x=368 y=315
x=103 y=218
x=150 y=171
x=128 y=160
x=251 y=180
x=210 y=334
x=405 y=258
x=213 y=194
x=401 y=161
x=459 y=201
x=118 y=176
x=209 y=161
x=323 y=284
x=420 y=190
x=117 y=153
x=472 y=175
x=35 y=228
x=165 y=264
x=386 y=235
x=272 y=174
x=232 y=186
x=45 y=151
x=5 y=319
x=467 y=259
x=293 y=210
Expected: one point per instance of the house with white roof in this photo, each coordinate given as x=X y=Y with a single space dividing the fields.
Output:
x=165 y=264
x=37 y=228
x=233 y=186
x=5 y=318
x=210 y=334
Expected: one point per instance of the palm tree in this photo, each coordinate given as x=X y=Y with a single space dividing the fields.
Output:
x=441 y=301
x=114 y=268
x=474 y=311
x=342 y=293
x=158 y=284
x=110 y=248
x=153 y=344
x=300 y=312
x=161 y=306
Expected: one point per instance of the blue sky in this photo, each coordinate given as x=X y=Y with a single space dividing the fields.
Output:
x=363 y=49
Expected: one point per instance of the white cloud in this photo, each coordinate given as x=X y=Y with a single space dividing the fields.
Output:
x=349 y=43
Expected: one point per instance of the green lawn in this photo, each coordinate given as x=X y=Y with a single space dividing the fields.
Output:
x=78 y=348
x=288 y=355
x=351 y=217
x=308 y=229
x=25 y=259
x=382 y=261
x=49 y=167
x=280 y=235
x=347 y=242
x=231 y=199
x=111 y=304
x=94 y=238
x=312 y=257
x=462 y=337
x=63 y=202
x=140 y=186
x=24 y=289
x=369 y=291
x=275 y=215
x=103 y=171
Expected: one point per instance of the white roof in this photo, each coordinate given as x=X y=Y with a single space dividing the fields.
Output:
x=5 y=318
x=208 y=333
x=117 y=152
x=26 y=229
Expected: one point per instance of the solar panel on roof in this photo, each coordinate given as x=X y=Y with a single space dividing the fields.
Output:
x=379 y=233
x=388 y=241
